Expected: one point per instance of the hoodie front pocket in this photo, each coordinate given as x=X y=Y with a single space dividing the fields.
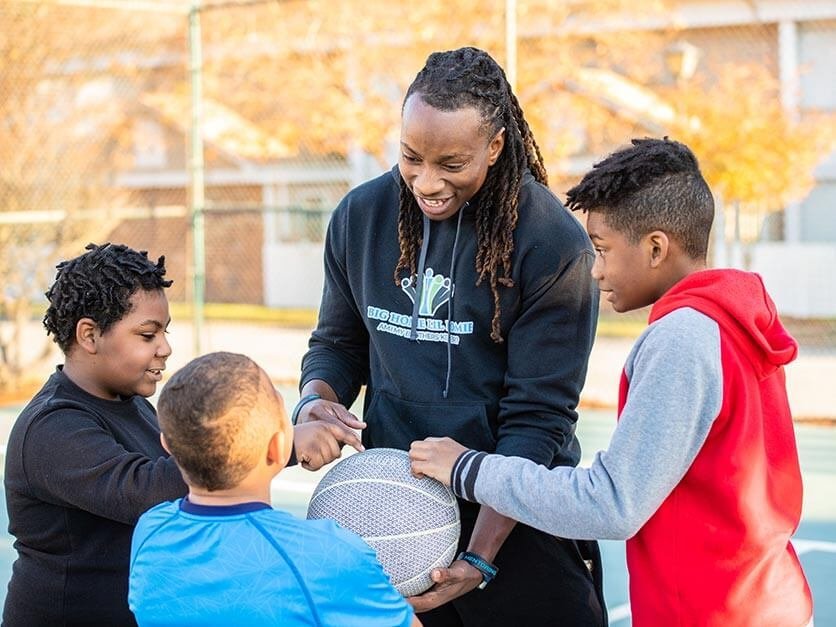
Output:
x=396 y=423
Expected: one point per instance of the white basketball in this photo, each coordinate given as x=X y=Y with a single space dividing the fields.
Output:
x=412 y=524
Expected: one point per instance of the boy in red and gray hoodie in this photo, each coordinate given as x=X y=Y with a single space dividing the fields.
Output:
x=701 y=476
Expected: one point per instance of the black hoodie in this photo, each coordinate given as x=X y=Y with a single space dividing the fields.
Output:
x=514 y=398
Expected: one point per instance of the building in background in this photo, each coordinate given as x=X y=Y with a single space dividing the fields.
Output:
x=295 y=113
x=270 y=206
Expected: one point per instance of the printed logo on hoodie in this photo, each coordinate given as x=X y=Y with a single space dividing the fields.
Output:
x=435 y=292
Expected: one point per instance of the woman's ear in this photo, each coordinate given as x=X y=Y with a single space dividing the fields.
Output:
x=496 y=145
x=86 y=333
x=659 y=247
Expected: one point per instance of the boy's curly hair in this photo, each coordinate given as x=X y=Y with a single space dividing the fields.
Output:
x=654 y=184
x=98 y=285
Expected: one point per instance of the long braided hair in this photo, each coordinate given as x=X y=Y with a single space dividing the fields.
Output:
x=450 y=81
x=98 y=285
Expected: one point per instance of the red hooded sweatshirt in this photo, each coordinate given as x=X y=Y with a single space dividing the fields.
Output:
x=717 y=551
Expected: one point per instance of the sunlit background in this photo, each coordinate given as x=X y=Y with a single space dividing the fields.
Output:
x=222 y=135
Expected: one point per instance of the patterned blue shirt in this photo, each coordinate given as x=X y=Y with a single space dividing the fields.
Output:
x=249 y=564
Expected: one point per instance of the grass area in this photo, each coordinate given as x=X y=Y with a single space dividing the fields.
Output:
x=820 y=333
x=239 y=312
x=810 y=332
x=629 y=326
x=626 y=327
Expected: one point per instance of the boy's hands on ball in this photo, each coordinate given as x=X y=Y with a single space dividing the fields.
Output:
x=322 y=428
x=435 y=457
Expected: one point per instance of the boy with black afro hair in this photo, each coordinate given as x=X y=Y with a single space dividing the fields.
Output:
x=701 y=476
x=84 y=458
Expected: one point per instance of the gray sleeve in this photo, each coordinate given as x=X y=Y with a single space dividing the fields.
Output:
x=675 y=394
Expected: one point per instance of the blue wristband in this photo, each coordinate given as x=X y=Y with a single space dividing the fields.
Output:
x=302 y=402
x=478 y=562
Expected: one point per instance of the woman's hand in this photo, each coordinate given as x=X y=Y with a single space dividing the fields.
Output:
x=449 y=583
x=320 y=443
x=329 y=411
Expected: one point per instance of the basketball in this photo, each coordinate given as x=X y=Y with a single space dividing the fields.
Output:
x=412 y=524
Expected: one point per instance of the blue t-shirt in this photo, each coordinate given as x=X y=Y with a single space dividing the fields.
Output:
x=251 y=565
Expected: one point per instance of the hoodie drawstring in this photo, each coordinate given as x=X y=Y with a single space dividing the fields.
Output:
x=419 y=286
x=450 y=303
x=419 y=279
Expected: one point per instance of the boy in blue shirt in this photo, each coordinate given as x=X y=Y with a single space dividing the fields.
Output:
x=222 y=555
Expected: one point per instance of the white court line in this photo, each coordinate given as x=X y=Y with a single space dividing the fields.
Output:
x=619 y=612
x=806 y=546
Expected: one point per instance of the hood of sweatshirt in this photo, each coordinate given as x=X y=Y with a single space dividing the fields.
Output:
x=739 y=303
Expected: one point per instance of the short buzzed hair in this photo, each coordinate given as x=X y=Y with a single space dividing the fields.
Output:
x=209 y=415
x=654 y=184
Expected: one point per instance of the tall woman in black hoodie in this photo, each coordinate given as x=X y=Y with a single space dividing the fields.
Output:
x=458 y=290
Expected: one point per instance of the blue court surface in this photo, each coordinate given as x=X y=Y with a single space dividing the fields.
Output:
x=815 y=540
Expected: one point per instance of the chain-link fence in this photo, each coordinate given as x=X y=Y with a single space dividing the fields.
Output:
x=300 y=101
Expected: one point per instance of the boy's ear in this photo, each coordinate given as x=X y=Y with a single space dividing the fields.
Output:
x=86 y=331
x=164 y=443
x=273 y=449
x=278 y=451
x=658 y=247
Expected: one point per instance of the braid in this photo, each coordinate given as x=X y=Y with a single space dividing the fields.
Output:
x=469 y=77
x=409 y=231
x=98 y=285
x=532 y=150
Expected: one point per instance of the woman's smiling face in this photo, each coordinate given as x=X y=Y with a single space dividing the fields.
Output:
x=445 y=155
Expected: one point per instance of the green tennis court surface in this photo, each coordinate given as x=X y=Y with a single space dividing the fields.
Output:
x=815 y=540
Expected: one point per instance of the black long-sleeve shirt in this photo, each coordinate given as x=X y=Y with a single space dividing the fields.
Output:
x=79 y=472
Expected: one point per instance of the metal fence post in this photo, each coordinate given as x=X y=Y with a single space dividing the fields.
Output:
x=197 y=195
x=511 y=43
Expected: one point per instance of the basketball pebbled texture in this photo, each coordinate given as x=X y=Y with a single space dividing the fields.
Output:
x=412 y=524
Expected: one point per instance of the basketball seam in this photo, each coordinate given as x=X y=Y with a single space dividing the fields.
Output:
x=406 y=583
x=411 y=534
x=385 y=481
